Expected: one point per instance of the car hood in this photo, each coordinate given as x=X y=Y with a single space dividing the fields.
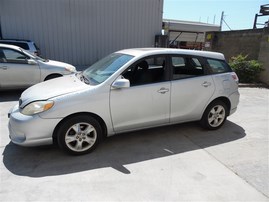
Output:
x=53 y=63
x=52 y=88
x=57 y=63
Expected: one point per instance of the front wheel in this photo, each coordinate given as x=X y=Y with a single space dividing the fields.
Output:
x=214 y=115
x=79 y=135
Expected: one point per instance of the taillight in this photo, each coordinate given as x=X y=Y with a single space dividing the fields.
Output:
x=235 y=77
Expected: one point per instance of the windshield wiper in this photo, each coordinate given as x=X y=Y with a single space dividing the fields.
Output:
x=82 y=78
x=86 y=80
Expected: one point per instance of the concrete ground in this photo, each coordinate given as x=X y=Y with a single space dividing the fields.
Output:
x=176 y=163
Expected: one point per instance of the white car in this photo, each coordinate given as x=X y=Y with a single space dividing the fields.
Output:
x=128 y=90
x=21 y=69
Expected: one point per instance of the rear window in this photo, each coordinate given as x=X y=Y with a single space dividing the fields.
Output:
x=36 y=47
x=218 y=66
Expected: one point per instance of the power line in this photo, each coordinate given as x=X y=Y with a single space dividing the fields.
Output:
x=227 y=24
x=222 y=20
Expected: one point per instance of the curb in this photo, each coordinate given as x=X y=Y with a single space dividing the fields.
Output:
x=252 y=85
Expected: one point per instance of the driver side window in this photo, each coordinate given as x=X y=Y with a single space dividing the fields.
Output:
x=12 y=56
x=146 y=71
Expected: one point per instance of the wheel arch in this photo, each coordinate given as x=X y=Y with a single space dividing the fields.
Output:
x=225 y=100
x=98 y=118
x=204 y=121
x=52 y=76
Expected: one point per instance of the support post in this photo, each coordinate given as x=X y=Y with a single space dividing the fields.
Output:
x=255 y=22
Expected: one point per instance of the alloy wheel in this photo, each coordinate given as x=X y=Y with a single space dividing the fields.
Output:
x=80 y=137
x=216 y=116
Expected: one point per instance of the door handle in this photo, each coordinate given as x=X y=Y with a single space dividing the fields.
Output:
x=163 y=90
x=4 y=67
x=206 y=84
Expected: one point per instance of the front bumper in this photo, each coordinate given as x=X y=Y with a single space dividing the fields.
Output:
x=30 y=130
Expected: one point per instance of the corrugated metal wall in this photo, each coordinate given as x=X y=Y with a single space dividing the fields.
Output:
x=82 y=31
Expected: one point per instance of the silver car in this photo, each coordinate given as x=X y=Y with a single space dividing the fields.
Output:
x=128 y=90
x=21 y=69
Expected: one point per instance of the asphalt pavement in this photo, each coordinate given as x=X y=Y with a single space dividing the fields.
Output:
x=175 y=163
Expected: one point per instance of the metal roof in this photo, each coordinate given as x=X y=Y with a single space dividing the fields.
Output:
x=189 y=26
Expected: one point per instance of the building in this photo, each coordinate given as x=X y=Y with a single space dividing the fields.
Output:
x=82 y=31
x=187 y=34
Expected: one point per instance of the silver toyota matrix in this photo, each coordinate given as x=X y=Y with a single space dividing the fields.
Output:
x=128 y=90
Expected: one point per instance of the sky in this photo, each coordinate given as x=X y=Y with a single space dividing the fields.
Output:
x=238 y=14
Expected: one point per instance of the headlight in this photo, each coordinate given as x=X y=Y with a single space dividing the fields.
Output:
x=70 y=69
x=37 y=107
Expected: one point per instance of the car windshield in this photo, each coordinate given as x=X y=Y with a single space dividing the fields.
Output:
x=104 y=68
x=33 y=56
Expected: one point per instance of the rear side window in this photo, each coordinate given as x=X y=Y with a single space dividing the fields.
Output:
x=218 y=66
x=186 y=66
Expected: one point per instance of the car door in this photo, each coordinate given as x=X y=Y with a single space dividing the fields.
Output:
x=191 y=88
x=15 y=72
x=146 y=102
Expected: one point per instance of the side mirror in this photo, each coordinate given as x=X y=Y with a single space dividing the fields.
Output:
x=121 y=83
x=31 y=62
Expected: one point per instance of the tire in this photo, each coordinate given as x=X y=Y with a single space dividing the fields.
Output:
x=52 y=76
x=214 y=116
x=79 y=135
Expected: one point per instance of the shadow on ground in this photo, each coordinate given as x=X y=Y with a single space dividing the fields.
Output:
x=12 y=95
x=118 y=150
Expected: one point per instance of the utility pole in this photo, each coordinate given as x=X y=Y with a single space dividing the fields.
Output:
x=221 y=20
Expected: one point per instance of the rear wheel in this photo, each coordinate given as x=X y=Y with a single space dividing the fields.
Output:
x=79 y=135
x=214 y=115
